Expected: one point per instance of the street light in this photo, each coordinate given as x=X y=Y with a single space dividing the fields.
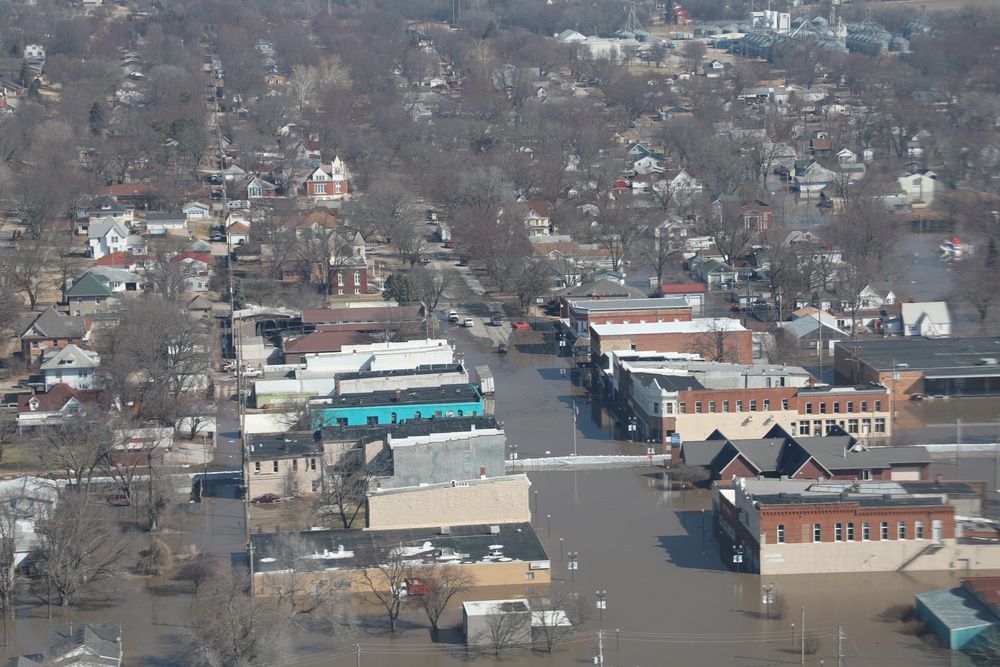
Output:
x=572 y=565
x=767 y=599
x=602 y=602
x=632 y=427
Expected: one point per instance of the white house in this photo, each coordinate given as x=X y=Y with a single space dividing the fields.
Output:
x=919 y=188
x=930 y=319
x=106 y=237
x=72 y=366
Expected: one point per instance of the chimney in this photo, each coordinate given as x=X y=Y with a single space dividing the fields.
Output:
x=397 y=395
x=829 y=245
x=812 y=381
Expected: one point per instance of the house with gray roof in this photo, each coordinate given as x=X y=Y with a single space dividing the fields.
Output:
x=71 y=365
x=84 y=645
x=106 y=237
x=116 y=278
x=48 y=330
x=89 y=294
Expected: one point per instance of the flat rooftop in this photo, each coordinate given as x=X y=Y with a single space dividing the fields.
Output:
x=935 y=356
x=829 y=390
x=604 y=305
x=428 y=369
x=284 y=446
x=411 y=427
x=707 y=327
x=449 y=393
x=346 y=549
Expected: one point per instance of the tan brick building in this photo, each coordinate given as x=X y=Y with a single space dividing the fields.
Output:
x=809 y=527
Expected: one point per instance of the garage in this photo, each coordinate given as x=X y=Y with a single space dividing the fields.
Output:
x=907 y=473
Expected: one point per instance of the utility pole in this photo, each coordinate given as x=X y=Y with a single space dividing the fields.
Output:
x=600 y=648
x=357 y=653
x=802 y=636
x=840 y=643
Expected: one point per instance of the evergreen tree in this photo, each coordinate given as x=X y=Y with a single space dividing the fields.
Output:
x=96 y=119
x=399 y=288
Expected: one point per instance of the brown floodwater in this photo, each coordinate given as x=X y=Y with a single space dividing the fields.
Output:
x=670 y=599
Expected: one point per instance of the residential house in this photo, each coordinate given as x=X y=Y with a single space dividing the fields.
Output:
x=930 y=319
x=814 y=331
x=54 y=406
x=919 y=188
x=536 y=218
x=256 y=188
x=713 y=271
x=161 y=223
x=810 y=176
x=138 y=195
x=72 y=366
x=34 y=54
x=196 y=268
x=48 y=330
x=196 y=211
x=598 y=289
x=106 y=237
x=327 y=183
x=106 y=206
x=681 y=185
x=713 y=69
x=117 y=279
x=651 y=163
x=199 y=307
x=84 y=645
x=237 y=233
x=89 y=294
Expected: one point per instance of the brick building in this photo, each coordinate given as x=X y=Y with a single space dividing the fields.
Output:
x=717 y=339
x=584 y=313
x=914 y=366
x=809 y=527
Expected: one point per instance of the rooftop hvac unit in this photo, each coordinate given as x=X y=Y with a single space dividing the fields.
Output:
x=494 y=530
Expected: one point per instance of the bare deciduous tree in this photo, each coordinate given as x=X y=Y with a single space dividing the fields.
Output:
x=556 y=613
x=382 y=577
x=441 y=584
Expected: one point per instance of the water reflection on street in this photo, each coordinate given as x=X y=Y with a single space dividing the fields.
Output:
x=671 y=599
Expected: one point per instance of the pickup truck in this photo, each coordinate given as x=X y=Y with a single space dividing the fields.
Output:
x=453 y=316
x=252 y=372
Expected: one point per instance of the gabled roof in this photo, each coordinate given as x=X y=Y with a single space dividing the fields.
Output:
x=324 y=341
x=603 y=289
x=102 y=228
x=108 y=274
x=685 y=288
x=166 y=217
x=199 y=303
x=71 y=357
x=130 y=190
x=101 y=643
x=50 y=323
x=106 y=205
x=56 y=398
x=88 y=285
x=936 y=311
x=117 y=259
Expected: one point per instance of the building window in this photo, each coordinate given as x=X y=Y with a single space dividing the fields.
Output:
x=866 y=531
x=295 y=465
x=274 y=466
x=880 y=424
x=878 y=406
x=817 y=533
x=836 y=407
x=670 y=408
x=803 y=428
x=850 y=406
x=866 y=475
x=392 y=418
x=829 y=425
x=340 y=291
x=357 y=277
x=901 y=530
x=850 y=532
x=852 y=425
x=373 y=420
x=312 y=464
x=682 y=408
x=256 y=467
x=341 y=421
x=357 y=290
x=809 y=408
x=838 y=532
x=340 y=278
x=885 y=530
x=725 y=406
x=319 y=188
x=767 y=404
x=781 y=533
x=784 y=404
x=697 y=407
x=753 y=405
x=864 y=406
x=711 y=406
x=918 y=530
x=822 y=408
x=656 y=408
x=739 y=406
x=529 y=575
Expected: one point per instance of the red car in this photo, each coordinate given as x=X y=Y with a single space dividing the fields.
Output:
x=267 y=498
x=521 y=326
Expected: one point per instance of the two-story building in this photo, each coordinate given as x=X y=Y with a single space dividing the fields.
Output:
x=49 y=330
x=713 y=339
x=327 y=183
x=811 y=527
x=72 y=366
x=583 y=313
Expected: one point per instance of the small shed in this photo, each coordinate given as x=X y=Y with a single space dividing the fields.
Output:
x=496 y=622
x=955 y=616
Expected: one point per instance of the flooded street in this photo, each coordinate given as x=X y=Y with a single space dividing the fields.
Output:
x=670 y=598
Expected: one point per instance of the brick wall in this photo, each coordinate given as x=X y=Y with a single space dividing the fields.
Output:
x=737 y=345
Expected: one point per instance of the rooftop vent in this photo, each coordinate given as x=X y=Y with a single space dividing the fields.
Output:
x=494 y=530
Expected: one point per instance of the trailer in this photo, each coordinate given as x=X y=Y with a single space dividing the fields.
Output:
x=483 y=379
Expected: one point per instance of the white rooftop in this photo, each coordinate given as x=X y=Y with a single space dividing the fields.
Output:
x=706 y=326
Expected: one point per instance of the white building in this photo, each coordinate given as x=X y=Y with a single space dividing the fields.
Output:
x=71 y=366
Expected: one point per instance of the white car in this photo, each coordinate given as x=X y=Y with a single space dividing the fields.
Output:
x=468 y=322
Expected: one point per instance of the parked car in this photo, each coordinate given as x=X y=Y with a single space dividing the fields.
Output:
x=267 y=498
x=453 y=316
x=467 y=323
x=449 y=244
x=502 y=348
x=496 y=320
x=521 y=326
